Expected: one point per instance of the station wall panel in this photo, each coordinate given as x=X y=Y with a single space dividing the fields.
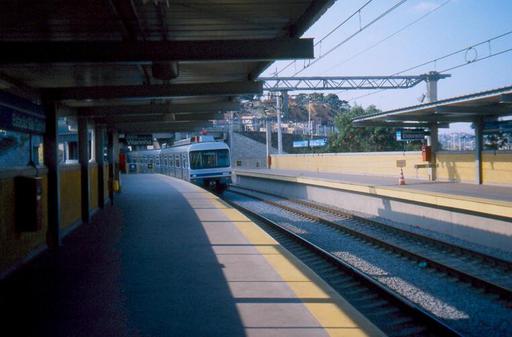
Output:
x=373 y=163
x=497 y=168
x=451 y=166
x=93 y=188
x=456 y=166
x=70 y=197
x=16 y=246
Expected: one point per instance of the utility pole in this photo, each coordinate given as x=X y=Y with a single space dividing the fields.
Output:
x=268 y=140
x=230 y=128
x=310 y=126
x=279 y=132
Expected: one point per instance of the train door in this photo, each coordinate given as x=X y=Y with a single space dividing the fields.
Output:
x=185 y=171
x=177 y=166
x=173 y=165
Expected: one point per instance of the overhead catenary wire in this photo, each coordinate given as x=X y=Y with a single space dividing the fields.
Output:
x=361 y=29
x=435 y=60
x=329 y=33
x=389 y=36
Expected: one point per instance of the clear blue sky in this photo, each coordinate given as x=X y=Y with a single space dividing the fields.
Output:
x=458 y=24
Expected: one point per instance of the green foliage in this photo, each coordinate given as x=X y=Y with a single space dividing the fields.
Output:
x=364 y=139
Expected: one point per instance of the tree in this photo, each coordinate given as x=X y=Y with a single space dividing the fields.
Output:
x=362 y=139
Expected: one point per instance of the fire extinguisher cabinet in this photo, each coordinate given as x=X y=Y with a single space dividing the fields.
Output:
x=426 y=153
x=29 y=203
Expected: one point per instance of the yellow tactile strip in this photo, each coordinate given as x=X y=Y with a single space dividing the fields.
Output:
x=335 y=315
x=465 y=203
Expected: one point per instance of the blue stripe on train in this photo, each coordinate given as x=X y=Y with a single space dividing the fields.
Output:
x=207 y=174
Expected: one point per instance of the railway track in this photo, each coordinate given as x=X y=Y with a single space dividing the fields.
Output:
x=390 y=312
x=491 y=274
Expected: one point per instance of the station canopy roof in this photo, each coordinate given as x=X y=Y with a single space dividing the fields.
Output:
x=488 y=105
x=157 y=65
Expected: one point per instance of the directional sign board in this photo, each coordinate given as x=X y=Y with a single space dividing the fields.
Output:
x=405 y=135
x=133 y=140
x=21 y=115
x=300 y=143
x=318 y=142
x=498 y=126
x=310 y=143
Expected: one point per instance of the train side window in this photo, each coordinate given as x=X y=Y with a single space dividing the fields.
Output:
x=177 y=161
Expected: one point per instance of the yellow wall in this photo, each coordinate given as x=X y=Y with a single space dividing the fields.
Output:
x=70 y=195
x=458 y=166
x=377 y=163
x=93 y=182
x=14 y=246
x=497 y=168
x=451 y=166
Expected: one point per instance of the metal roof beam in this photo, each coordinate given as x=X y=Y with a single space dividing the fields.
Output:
x=315 y=10
x=142 y=52
x=474 y=110
x=160 y=126
x=155 y=91
x=152 y=109
x=433 y=118
x=397 y=124
x=506 y=98
x=164 y=118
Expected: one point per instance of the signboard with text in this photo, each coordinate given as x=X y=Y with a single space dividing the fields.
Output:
x=317 y=142
x=310 y=143
x=498 y=126
x=405 y=135
x=136 y=140
x=300 y=143
x=21 y=115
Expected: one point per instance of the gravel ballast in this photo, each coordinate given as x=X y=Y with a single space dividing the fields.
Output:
x=458 y=304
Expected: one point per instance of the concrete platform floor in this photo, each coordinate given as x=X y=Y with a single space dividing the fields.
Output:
x=498 y=193
x=170 y=259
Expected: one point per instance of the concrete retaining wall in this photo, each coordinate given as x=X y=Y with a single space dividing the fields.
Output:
x=490 y=232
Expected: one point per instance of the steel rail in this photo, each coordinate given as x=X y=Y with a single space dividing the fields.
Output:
x=476 y=281
x=430 y=321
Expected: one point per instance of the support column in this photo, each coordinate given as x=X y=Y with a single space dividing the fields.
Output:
x=268 y=138
x=279 y=132
x=230 y=130
x=110 y=157
x=116 y=151
x=434 y=147
x=51 y=160
x=83 y=159
x=100 y=160
x=432 y=140
x=479 y=144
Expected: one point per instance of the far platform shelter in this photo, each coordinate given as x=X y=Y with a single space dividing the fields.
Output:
x=484 y=109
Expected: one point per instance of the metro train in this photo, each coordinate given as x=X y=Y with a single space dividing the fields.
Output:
x=200 y=160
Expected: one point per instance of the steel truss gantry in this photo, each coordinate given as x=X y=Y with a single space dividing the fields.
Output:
x=347 y=82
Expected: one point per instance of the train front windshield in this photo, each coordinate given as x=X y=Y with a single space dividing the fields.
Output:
x=209 y=159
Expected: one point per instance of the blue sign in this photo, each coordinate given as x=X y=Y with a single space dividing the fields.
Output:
x=139 y=139
x=300 y=143
x=498 y=126
x=310 y=143
x=318 y=142
x=405 y=135
x=21 y=115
